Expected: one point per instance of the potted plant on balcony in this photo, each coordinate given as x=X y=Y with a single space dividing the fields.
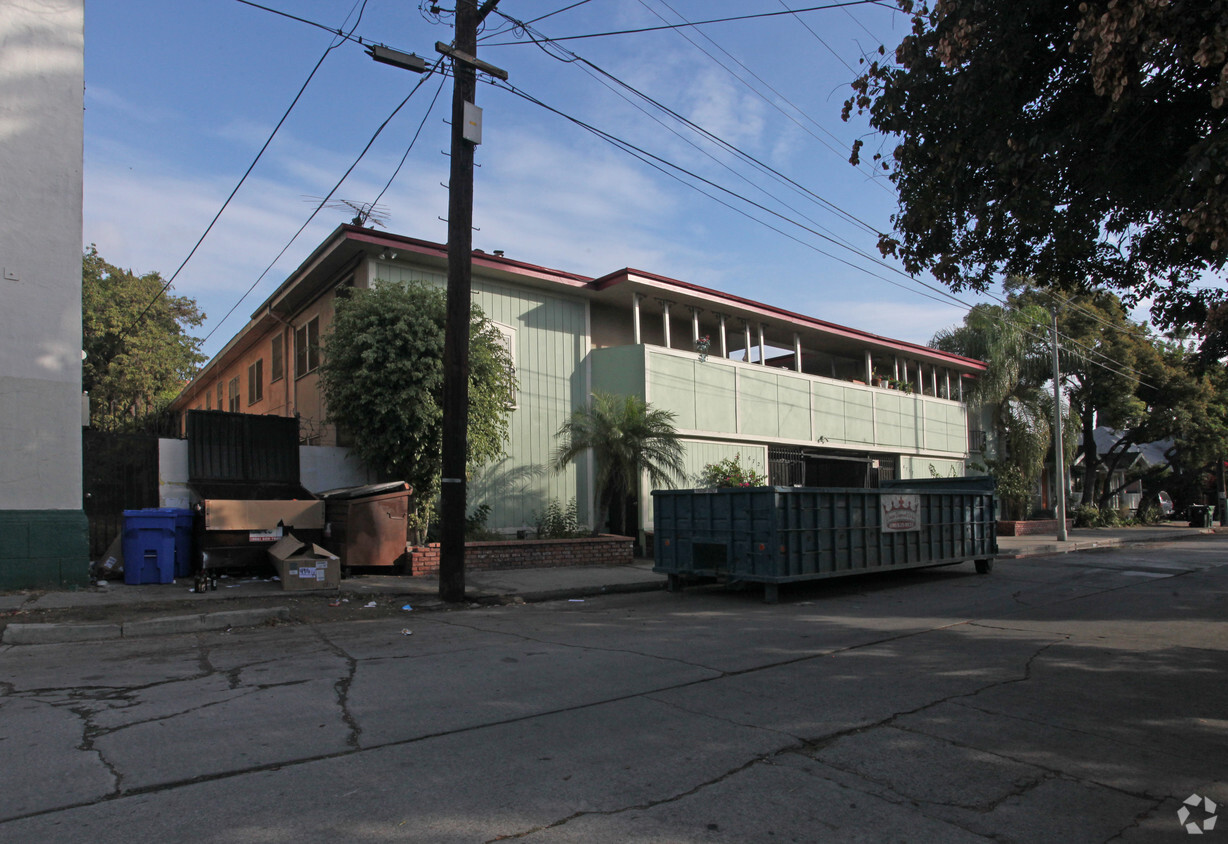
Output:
x=702 y=345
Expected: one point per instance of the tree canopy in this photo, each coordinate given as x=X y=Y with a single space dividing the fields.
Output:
x=1116 y=373
x=1084 y=145
x=138 y=353
x=382 y=380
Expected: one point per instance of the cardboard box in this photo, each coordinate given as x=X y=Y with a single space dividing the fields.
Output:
x=262 y=515
x=302 y=565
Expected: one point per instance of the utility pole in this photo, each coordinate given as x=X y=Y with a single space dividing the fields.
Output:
x=1059 y=468
x=466 y=134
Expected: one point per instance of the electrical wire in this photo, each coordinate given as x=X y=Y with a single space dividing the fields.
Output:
x=347 y=36
x=714 y=20
x=938 y=294
x=442 y=79
x=545 y=43
x=332 y=46
x=326 y=198
x=819 y=38
x=770 y=102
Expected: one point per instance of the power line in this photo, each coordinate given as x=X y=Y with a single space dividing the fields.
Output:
x=543 y=42
x=706 y=22
x=346 y=36
x=665 y=166
x=332 y=46
x=326 y=198
x=763 y=82
x=819 y=38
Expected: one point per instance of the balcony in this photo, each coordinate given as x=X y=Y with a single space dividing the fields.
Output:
x=722 y=398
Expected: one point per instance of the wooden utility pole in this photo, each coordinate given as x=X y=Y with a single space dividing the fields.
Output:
x=466 y=134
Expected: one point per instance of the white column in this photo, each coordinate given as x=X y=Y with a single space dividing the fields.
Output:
x=797 y=351
x=695 y=312
x=762 y=355
x=896 y=375
x=665 y=303
x=635 y=316
x=934 y=379
x=869 y=368
x=724 y=344
x=746 y=331
x=946 y=376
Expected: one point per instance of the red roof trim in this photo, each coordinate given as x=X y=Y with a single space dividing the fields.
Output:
x=484 y=259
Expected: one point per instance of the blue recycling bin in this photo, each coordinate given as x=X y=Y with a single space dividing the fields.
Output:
x=157 y=545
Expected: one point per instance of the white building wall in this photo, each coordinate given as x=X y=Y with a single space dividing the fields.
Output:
x=41 y=137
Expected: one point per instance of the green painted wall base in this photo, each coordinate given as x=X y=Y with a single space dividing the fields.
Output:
x=44 y=549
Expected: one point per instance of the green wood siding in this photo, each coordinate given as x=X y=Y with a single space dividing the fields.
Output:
x=699 y=453
x=550 y=347
x=919 y=467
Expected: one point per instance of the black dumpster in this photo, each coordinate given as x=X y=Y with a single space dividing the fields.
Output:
x=775 y=535
x=1201 y=515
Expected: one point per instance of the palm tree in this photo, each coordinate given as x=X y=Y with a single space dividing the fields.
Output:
x=1011 y=343
x=628 y=439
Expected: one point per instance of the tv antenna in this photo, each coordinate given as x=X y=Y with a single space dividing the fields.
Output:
x=365 y=213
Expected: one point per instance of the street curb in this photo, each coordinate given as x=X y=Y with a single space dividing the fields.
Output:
x=46 y=634
x=1099 y=545
x=497 y=598
x=52 y=634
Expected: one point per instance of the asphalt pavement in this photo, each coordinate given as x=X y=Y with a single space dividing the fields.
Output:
x=115 y=610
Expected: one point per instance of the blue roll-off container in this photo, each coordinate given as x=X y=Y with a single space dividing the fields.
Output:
x=775 y=535
x=157 y=545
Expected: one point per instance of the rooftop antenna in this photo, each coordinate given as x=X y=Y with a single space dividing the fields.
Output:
x=365 y=213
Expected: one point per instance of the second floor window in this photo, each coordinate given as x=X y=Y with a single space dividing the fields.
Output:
x=277 y=366
x=255 y=382
x=307 y=348
x=232 y=395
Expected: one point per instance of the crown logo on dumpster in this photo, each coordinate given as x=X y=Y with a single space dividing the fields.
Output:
x=901 y=513
x=902 y=505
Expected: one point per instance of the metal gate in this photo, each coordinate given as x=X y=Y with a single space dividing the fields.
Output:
x=120 y=472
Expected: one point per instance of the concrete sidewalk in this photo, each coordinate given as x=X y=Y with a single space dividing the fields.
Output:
x=162 y=609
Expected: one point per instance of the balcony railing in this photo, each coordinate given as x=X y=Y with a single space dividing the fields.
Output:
x=718 y=397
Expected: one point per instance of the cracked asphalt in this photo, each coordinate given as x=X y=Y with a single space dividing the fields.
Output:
x=1073 y=698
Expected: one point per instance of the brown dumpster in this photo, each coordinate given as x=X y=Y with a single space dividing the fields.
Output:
x=368 y=525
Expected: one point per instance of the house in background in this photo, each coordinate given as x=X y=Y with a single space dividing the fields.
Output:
x=1132 y=462
x=794 y=396
x=43 y=539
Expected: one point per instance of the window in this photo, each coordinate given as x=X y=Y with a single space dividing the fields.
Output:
x=307 y=348
x=508 y=334
x=255 y=382
x=220 y=400
x=208 y=400
x=277 y=365
x=232 y=395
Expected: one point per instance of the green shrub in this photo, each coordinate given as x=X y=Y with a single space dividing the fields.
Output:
x=1150 y=514
x=555 y=522
x=729 y=473
x=1087 y=516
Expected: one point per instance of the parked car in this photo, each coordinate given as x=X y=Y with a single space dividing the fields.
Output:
x=1166 y=504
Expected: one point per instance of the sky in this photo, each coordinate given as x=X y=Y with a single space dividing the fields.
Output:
x=181 y=97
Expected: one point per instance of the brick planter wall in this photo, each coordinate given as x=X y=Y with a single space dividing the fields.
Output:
x=1031 y=528
x=602 y=550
